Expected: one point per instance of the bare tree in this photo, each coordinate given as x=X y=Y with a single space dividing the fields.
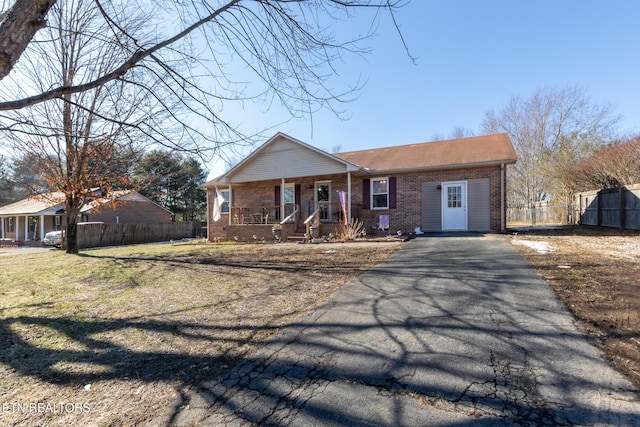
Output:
x=287 y=43
x=551 y=130
x=613 y=166
x=76 y=142
x=457 y=132
x=103 y=76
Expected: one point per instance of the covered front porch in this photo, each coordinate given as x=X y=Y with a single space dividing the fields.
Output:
x=249 y=212
x=286 y=183
x=25 y=228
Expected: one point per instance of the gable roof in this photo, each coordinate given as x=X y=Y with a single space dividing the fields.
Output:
x=44 y=204
x=465 y=152
x=284 y=157
x=53 y=203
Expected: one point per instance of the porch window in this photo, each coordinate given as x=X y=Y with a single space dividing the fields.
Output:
x=10 y=225
x=57 y=222
x=289 y=194
x=380 y=193
x=224 y=207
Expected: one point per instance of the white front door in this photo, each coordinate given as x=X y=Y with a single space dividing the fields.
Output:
x=454 y=206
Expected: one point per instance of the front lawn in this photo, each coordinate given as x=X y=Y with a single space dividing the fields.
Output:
x=119 y=336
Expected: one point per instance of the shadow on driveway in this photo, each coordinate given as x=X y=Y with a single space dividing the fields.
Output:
x=450 y=330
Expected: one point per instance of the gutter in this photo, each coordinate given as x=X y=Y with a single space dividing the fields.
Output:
x=501 y=163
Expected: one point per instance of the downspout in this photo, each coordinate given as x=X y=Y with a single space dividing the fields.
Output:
x=502 y=219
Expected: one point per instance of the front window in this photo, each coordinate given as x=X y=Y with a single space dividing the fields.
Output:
x=380 y=193
x=224 y=207
x=58 y=222
x=11 y=225
x=289 y=194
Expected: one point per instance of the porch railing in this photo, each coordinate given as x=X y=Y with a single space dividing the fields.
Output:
x=332 y=212
x=327 y=213
x=253 y=215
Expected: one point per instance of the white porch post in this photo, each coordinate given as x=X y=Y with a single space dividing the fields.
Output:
x=349 y=196
x=16 y=227
x=282 y=200
x=41 y=227
x=26 y=228
x=2 y=227
x=230 y=205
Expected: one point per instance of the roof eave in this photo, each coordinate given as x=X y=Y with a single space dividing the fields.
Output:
x=440 y=167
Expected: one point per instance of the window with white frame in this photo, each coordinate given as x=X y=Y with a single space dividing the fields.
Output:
x=380 y=193
x=224 y=208
x=10 y=225
x=289 y=194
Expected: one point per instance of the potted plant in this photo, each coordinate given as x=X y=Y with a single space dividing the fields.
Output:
x=277 y=231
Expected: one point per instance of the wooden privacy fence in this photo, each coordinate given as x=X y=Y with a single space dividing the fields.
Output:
x=614 y=207
x=99 y=235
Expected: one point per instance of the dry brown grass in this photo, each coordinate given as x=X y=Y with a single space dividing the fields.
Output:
x=115 y=337
x=596 y=273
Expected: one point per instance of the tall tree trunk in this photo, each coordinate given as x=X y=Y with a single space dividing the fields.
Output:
x=19 y=24
x=71 y=237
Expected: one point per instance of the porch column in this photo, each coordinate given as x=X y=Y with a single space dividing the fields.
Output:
x=41 y=227
x=230 y=205
x=349 y=196
x=2 y=227
x=282 y=200
x=26 y=228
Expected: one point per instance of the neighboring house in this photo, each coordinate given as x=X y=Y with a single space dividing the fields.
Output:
x=32 y=218
x=444 y=185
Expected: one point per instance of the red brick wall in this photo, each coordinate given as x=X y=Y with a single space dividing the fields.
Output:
x=405 y=218
x=408 y=215
x=130 y=212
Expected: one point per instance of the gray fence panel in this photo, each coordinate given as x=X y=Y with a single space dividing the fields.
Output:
x=618 y=207
x=101 y=235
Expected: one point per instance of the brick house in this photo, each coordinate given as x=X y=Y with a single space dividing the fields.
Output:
x=33 y=217
x=454 y=185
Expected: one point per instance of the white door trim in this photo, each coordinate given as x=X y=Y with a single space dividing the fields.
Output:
x=455 y=217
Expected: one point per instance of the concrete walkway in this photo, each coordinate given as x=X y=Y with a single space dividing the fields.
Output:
x=449 y=331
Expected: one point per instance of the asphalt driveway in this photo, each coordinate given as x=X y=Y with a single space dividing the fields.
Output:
x=449 y=331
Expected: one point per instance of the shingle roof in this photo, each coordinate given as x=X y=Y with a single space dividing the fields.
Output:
x=35 y=205
x=473 y=151
x=52 y=203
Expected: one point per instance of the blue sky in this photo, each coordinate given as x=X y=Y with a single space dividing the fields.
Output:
x=472 y=56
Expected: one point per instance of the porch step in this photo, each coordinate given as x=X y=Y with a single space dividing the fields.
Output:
x=299 y=238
